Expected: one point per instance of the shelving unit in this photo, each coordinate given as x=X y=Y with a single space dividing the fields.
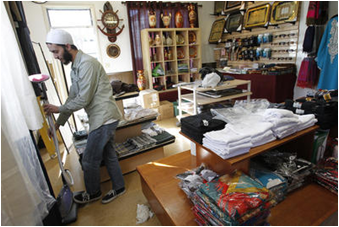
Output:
x=309 y=205
x=176 y=50
x=126 y=130
x=198 y=99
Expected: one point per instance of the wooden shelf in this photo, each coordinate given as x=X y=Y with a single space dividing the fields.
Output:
x=149 y=50
x=203 y=100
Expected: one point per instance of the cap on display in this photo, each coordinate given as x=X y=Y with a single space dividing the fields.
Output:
x=57 y=36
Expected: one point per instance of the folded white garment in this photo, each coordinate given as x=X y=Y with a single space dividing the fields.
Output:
x=285 y=133
x=230 y=145
x=262 y=139
x=256 y=128
x=307 y=125
x=284 y=128
x=227 y=156
x=277 y=122
x=224 y=149
x=306 y=118
x=279 y=113
x=225 y=135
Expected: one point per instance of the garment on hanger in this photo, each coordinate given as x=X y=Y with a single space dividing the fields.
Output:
x=317 y=13
x=327 y=58
x=308 y=73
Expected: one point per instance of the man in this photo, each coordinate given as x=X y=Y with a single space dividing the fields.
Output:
x=92 y=91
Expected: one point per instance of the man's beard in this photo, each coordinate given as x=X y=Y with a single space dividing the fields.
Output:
x=67 y=57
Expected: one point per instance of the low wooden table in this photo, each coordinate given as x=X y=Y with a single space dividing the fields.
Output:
x=309 y=205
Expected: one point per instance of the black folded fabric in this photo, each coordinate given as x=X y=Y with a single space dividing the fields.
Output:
x=196 y=126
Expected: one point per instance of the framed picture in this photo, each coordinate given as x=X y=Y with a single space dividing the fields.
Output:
x=232 y=4
x=218 y=7
x=217 y=31
x=234 y=22
x=257 y=16
x=283 y=12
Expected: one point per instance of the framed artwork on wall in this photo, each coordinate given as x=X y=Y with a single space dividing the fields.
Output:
x=257 y=16
x=232 y=4
x=217 y=31
x=283 y=12
x=234 y=22
x=218 y=7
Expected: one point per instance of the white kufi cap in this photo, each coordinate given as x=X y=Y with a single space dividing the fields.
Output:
x=57 y=36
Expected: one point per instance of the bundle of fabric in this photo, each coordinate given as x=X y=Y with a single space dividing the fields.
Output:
x=306 y=121
x=326 y=174
x=133 y=145
x=227 y=143
x=274 y=182
x=284 y=122
x=259 y=132
x=295 y=170
x=232 y=199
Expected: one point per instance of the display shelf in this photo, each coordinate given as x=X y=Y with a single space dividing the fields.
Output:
x=203 y=100
x=299 y=141
x=306 y=206
x=184 y=51
x=197 y=99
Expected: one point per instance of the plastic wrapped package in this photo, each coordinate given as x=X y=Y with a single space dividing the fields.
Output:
x=192 y=179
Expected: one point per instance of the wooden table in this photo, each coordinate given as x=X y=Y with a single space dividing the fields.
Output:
x=309 y=205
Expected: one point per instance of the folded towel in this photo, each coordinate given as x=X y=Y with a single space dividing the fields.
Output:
x=279 y=113
x=285 y=133
x=284 y=128
x=277 y=122
x=262 y=139
x=307 y=125
x=224 y=149
x=225 y=135
x=256 y=128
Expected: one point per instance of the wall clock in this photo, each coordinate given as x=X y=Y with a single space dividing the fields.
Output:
x=110 y=20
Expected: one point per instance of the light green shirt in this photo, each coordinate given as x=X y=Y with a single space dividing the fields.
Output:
x=90 y=90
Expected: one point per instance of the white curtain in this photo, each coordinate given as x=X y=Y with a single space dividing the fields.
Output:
x=25 y=198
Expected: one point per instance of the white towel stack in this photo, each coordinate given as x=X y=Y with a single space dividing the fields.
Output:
x=260 y=132
x=227 y=143
x=306 y=121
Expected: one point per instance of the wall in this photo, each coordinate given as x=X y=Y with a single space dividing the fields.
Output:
x=333 y=9
x=38 y=25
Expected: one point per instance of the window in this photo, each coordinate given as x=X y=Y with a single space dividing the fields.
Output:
x=79 y=23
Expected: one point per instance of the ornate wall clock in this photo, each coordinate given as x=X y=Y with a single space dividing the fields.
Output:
x=110 y=20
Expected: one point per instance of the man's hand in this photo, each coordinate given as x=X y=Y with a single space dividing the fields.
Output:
x=49 y=109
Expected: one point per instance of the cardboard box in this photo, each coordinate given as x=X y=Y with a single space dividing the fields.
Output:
x=165 y=110
x=149 y=98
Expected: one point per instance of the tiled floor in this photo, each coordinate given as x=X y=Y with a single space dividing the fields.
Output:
x=121 y=211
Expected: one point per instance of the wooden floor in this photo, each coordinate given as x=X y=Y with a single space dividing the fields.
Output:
x=121 y=211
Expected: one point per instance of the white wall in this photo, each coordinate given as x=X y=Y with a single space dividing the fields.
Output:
x=38 y=25
x=333 y=9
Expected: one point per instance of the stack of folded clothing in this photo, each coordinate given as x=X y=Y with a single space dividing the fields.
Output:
x=227 y=143
x=232 y=199
x=274 y=182
x=306 y=121
x=259 y=132
x=295 y=170
x=326 y=174
x=284 y=122
x=133 y=145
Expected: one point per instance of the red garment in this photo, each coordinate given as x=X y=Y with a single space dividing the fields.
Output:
x=308 y=74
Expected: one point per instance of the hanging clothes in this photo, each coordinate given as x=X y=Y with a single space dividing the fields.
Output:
x=308 y=73
x=327 y=58
x=317 y=13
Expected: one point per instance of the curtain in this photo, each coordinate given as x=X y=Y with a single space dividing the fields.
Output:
x=138 y=20
x=25 y=197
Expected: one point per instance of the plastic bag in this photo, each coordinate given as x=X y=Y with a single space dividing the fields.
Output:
x=143 y=213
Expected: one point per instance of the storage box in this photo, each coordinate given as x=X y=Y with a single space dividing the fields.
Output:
x=149 y=98
x=165 y=110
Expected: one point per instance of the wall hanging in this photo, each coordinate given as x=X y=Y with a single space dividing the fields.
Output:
x=234 y=22
x=257 y=16
x=283 y=12
x=110 y=20
x=217 y=31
